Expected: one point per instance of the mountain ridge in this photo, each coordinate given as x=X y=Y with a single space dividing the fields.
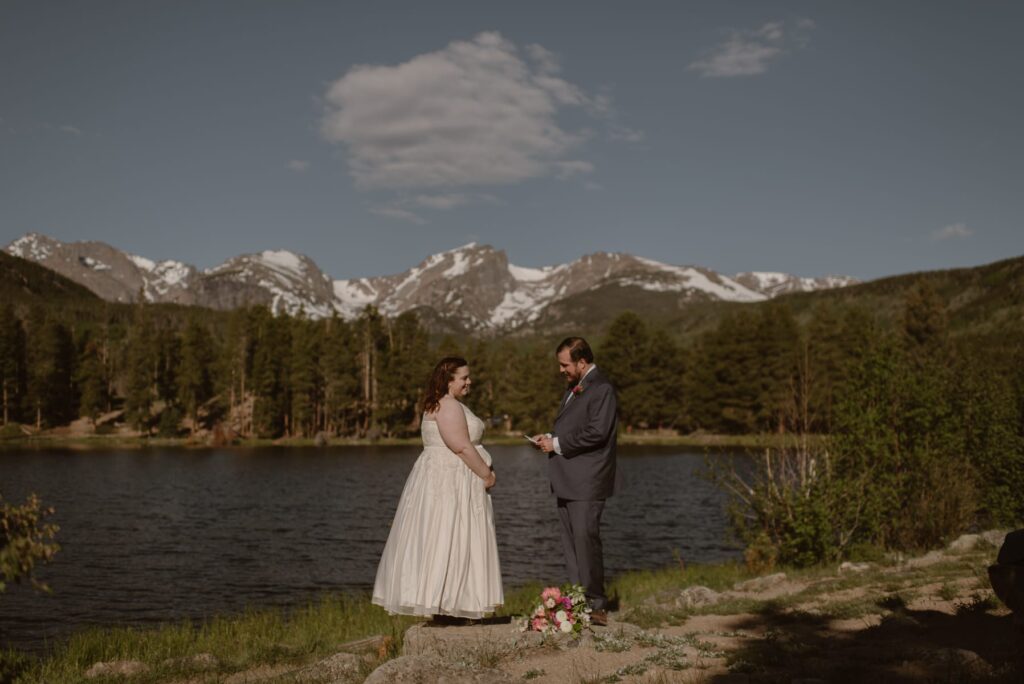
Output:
x=472 y=287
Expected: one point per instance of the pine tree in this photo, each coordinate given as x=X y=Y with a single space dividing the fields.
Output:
x=270 y=375
x=924 y=316
x=194 y=371
x=92 y=381
x=140 y=369
x=405 y=365
x=778 y=341
x=52 y=374
x=12 y=364
x=625 y=356
x=305 y=385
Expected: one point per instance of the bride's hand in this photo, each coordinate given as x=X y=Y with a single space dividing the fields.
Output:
x=490 y=481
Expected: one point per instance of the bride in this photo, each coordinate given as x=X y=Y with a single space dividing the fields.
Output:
x=441 y=557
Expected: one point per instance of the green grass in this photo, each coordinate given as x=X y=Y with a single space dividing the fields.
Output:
x=300 y=636
x=263 y=637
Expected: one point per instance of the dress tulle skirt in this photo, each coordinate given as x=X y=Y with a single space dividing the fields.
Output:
x=441 y=557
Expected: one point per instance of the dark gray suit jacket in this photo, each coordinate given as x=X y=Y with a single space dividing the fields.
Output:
x=586 y=429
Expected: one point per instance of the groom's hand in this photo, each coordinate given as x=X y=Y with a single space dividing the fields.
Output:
x=545 y=444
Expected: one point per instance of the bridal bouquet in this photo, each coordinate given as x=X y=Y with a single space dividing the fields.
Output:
x=561 y=610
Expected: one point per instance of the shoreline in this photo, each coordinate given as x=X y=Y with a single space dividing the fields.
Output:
x=106 y=442
x=715 y=619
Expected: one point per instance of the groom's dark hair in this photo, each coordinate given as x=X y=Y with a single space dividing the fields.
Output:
x=578 y=349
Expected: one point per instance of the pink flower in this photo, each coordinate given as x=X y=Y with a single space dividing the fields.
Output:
x=539 y=624
x=552 y=592
x=567 y=602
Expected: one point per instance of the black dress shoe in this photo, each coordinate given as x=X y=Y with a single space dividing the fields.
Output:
x=599 y=618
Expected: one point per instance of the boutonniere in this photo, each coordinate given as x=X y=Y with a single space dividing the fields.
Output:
x=577 y=390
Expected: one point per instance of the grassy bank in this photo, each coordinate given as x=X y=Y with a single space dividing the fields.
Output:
x=276 y=644
x=275 y=639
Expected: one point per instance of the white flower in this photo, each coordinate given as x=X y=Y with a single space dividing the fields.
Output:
x=565 y=627
x=550 y=603
x=560 y=616
x=540 y=611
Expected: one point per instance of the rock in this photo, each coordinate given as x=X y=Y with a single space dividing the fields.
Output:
x=378 y=645
x=994 y=537
x=116 y=668
x=854 y=567
x=339 y=666
x=964 y=543
x=930 y=558
x=731 y=678
x=200 y=661
x=422 y=669
x=694 y=597
x=424 y=640
x=260 y=673
x=761 y=583
x=320 y=440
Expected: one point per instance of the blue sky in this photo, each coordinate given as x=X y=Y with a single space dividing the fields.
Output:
x=860 y=138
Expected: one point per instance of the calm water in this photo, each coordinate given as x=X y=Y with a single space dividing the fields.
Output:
x=165 y=534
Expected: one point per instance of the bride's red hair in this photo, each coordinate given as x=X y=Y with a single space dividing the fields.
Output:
x=437 y=385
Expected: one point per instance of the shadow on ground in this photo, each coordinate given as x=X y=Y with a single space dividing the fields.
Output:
x=906 y=646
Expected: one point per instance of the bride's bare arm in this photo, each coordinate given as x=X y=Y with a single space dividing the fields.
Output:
x=451 y=422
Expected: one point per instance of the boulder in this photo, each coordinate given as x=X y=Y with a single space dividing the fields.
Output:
x=848 y=566
x=200 y=661
x=697 y=596
x=965 y=542
x=424 y=669
x=340 y=666
x=930 y=558
x=116 y=668
x=994 y=537
x=760 y=583
x=425 y=639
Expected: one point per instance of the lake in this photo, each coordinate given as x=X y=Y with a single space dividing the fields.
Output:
x=158 y=535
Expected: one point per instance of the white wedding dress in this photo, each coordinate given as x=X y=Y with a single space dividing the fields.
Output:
x=441 y=557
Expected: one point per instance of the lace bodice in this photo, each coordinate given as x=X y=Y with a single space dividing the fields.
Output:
x=432 y=435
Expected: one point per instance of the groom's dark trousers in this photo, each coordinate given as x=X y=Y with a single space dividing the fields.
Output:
x=583 y=475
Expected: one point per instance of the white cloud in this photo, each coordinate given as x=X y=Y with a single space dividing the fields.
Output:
x=954 y=231
x=567 y=169
x=473 y=113
x=399 y=214
x=297 y=165
x=626 y=134
x=443 y=202
x=70 y=130
x=748 y=53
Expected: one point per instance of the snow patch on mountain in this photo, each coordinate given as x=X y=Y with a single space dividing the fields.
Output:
x=473 y=285
x=33 y=246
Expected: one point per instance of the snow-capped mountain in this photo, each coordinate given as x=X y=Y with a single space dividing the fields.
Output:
x=476 y=285
x=110 y=273
x=775 y=284
x=473 y=287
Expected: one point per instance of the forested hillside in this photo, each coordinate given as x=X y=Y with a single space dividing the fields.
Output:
x=776 y=366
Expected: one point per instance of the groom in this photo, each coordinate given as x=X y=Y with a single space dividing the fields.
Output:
x=581 y=467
